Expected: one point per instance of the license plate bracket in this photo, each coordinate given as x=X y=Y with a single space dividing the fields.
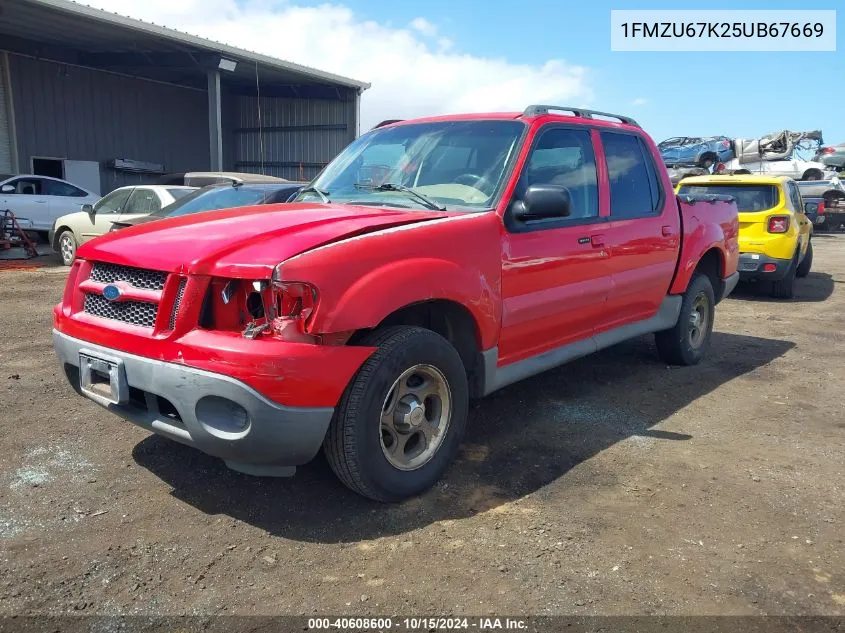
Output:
x=103 y=378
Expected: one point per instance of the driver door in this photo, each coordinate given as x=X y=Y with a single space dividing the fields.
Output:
x=106 y=212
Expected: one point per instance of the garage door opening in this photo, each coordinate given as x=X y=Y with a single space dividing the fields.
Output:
x=53 y=167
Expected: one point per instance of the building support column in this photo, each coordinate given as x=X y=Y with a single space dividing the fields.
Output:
x=215 y=121
x=358 y=113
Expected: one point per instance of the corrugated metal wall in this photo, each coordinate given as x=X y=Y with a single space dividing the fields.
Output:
x=300 y=135
x=5 y=118
x=81 y=114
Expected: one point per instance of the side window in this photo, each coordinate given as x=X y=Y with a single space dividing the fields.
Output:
x=142 y=201
x=795 y=198
x=113 y=202
x=634 y=188
x=565 y=157
x=57 y=188
x=29 y=186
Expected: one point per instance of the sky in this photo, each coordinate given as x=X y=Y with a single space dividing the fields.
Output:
x=447 y=56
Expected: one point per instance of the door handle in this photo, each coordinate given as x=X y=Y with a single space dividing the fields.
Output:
x=666 y=231
x=40 y=201
x=597 y=240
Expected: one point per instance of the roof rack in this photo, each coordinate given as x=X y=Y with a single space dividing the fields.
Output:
x=535 y=110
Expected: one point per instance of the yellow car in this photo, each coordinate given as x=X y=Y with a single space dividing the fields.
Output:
x=774 y=233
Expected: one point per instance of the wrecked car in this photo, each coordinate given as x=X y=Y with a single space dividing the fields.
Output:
x=433 y=261
x=775 y=155
x=701 y=152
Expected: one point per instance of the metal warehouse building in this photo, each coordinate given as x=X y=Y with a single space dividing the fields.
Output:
x=104 y=100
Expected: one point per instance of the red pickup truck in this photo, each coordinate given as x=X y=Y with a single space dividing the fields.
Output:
x=431 y=262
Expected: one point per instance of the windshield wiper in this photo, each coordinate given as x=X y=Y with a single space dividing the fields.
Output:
x=425 y=200
x=324 y=195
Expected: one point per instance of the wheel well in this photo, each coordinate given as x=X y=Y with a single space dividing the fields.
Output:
x=711 y=265
x=705 y=155
x=811 y=172
x=57 y=234
x=450 y=320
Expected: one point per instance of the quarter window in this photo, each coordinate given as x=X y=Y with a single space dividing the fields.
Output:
x=634 y=189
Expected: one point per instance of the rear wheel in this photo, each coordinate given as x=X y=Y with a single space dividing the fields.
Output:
x=806 y=263
x=812 y=174
x=688 y=341
x=402 y=418
x=785 y=288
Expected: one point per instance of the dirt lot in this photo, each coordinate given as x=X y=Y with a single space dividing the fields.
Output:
x=614 y=485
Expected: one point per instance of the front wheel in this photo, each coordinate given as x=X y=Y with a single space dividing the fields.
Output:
x=402 y=417
x=67 y=247
x=687 y=342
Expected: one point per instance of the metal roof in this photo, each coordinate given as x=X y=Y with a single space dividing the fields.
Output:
x=70 y=32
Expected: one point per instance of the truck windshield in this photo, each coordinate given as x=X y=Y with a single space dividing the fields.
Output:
x=749 y=198
x=450 y=163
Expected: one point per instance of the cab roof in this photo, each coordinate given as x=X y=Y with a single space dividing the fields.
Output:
x=531 y=114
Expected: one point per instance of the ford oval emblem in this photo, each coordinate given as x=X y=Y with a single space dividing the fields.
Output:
x=112 y=292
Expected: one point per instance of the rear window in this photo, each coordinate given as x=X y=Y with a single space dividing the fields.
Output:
x=749 y=198
x=178 y=192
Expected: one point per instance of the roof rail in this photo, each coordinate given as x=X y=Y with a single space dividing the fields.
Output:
x=535 y=110
x=387 y=122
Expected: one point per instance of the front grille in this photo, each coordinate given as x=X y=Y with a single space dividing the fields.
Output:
x=179 y=294
x=140 y=313
x=137 y=277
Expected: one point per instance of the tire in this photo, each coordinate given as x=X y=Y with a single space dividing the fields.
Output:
x=706 y=161
x=678 y=345
x=785 y=288
x=361 y=435
x=807 y=263
x=67 y=246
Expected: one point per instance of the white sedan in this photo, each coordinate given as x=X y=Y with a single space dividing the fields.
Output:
x=37 y=201
x=125 y=203
x=795 y=168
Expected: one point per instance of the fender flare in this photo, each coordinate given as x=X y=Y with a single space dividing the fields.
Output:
x=703 y=238
x=395 y=285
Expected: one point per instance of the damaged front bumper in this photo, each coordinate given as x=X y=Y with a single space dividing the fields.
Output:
x=217 y=414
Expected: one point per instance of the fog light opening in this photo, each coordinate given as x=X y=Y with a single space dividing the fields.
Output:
x=222 y=417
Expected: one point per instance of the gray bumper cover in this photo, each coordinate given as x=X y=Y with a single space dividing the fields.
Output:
x=270 y=440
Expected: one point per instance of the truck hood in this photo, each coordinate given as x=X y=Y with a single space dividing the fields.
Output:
x=245 y=242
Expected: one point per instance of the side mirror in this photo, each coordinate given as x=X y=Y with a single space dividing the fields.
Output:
x=7 y=189
x=542 y=202
x=811 y=207
x=88 y=208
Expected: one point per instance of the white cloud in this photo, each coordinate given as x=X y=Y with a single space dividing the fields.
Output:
x=424 y=26
x=413 y=71
x=639 y=101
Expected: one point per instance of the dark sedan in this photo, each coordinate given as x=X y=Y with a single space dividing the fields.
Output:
x=221 y=196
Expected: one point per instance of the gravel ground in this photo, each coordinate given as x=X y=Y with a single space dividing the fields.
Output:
x=614 y=485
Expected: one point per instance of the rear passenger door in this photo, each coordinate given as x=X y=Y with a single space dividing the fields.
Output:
x=555 y=275
x=643 y=233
